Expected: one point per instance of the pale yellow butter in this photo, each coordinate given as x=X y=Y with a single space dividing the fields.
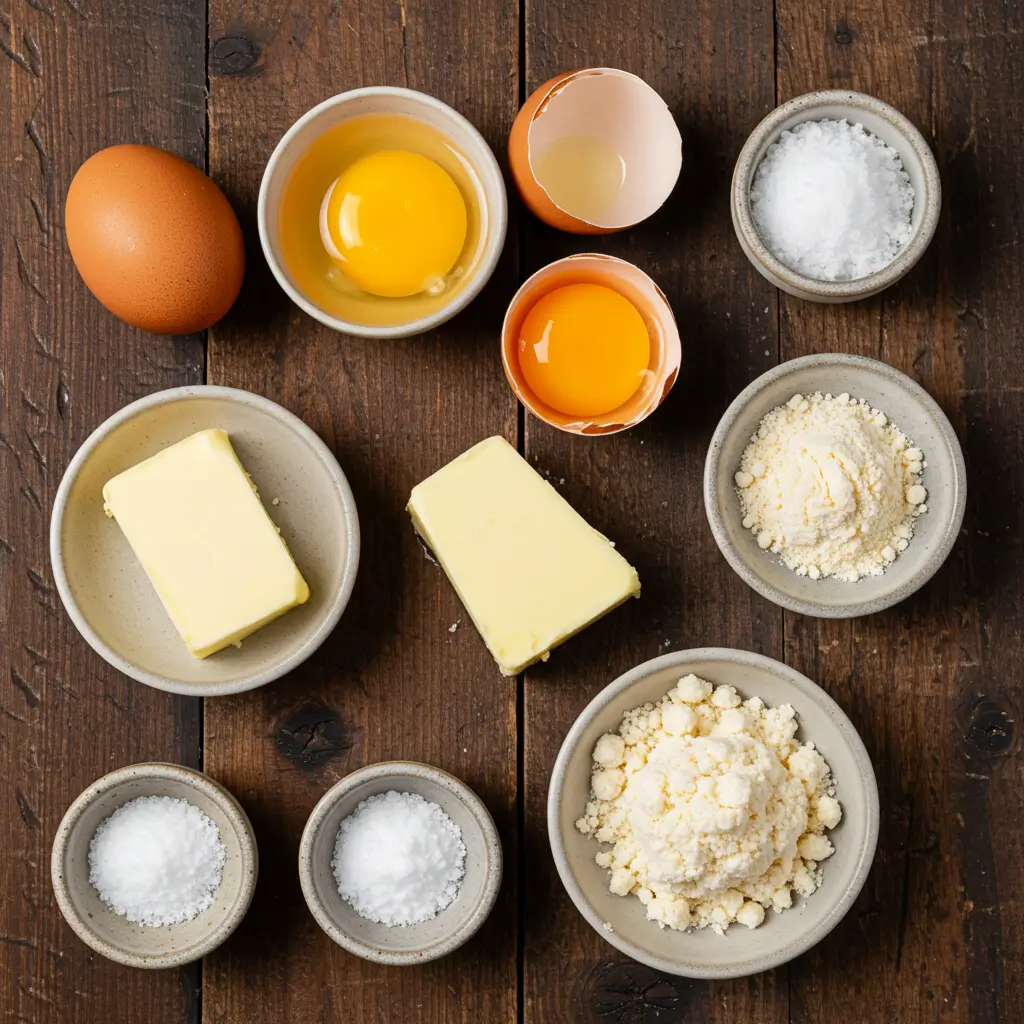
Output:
x=213 y=555
x=528 y=568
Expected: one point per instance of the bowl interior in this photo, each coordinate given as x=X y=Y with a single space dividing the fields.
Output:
x=635 y=285
x=431 y=938
x=111 y=591
x=490 y=195
x=183 y=941
x=921 y=420
x=782 y=936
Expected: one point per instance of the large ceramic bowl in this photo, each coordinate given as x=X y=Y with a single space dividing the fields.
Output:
x=907 y=405
x=621 y=920
x=882 y=120
x=116 y=937
x=415 y=943
x=106 y=591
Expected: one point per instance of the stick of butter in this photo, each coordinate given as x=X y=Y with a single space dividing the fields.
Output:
x=529 y=569
x=213 y=555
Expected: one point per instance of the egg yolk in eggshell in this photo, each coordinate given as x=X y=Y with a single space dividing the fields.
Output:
x=584 y=349
x=395 y=222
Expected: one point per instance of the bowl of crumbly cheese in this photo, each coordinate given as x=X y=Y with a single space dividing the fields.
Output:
x=713 y=813
x=835 y=485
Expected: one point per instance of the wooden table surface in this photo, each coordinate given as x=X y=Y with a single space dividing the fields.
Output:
x=934 y=686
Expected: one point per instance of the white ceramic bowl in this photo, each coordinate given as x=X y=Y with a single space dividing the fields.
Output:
x=106 y=591
x=417 y=943
x=114 y=936
x=385 y=100
x=907 y=405
x=889 y=125
x=620 y=920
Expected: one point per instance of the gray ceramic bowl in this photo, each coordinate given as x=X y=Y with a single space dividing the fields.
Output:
x=416 y=943
x=913 y=410
x=107 y=593
x=621 y=921
x=134 y=944
x=889 y=125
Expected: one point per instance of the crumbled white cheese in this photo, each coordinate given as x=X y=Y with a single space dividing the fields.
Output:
x=710 y=808
x=831 y=486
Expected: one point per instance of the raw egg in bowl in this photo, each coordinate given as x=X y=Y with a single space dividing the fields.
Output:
x=382 y=212
x=590 y=344
x=595 y=151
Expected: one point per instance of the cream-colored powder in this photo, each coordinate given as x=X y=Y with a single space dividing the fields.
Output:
x=831 y=486
x=712 y=809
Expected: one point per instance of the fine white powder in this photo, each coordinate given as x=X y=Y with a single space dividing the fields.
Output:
x=832 y=201
x=157 y=861
x=831 y=486
x=712 y=810
x=399 y=859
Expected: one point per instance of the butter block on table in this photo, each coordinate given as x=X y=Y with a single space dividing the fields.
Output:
x=213 y=555
x=529 y=569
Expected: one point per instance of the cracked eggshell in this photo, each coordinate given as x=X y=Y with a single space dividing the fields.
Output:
x=650 y=301
x=615 y=106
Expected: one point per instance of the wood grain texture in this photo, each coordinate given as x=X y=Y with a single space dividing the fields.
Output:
x=642 y=488
x=393 y=681
x=934 y=686
x=74 y=82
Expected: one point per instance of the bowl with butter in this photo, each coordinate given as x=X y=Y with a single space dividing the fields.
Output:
x=204 y=541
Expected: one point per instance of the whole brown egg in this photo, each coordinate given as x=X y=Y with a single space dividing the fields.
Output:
x=155 y=240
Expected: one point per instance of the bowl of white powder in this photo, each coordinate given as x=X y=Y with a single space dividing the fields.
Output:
x=400 y=863
x=835 y=486
x=154 y=865
x=713 y=813
x=835 y=196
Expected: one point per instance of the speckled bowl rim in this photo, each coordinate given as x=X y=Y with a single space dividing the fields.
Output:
x=792 y=281
x=480 y=814
x=808 y=690
x=196 y=780
x=748 y=570
x=331 y=614
x=491 y=254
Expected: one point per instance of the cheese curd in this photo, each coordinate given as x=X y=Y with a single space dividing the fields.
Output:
x=710 y=809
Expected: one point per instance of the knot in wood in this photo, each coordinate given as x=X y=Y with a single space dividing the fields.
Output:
x=311 y=735
x=630 y=993
x=233 y=55
x=990 y=729
x=843 y=34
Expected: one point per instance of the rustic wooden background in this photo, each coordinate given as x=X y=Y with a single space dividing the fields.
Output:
x=935 y=686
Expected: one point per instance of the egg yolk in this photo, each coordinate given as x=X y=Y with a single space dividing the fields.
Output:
x=395 y=222
x=584 y=349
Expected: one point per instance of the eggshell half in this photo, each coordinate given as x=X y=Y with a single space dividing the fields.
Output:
x=154 y=238
x=649 y=300
x=617 y=107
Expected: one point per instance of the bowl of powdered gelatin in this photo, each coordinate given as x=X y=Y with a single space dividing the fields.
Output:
x=154 y=865
x=835 y=196
x=835 y=486
x=400 y=863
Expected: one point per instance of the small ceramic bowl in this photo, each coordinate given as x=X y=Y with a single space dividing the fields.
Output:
x=411 y=944
x=622 y=921
x=491 y=198
x=878 y=118
x=107 y=593
x=114 y=936
x=907 y=405
x=646 y=296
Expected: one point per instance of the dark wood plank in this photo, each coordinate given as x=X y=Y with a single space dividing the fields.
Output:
x=394 y=679
x=74 y=81
x=934 y=685
x=643 y=488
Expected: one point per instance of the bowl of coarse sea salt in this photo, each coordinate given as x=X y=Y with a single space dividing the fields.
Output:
x=154 y=865
x=835 y=196
x=400 y=863
x=835 y=485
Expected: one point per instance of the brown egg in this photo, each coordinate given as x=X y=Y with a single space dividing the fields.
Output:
x=154 y=239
